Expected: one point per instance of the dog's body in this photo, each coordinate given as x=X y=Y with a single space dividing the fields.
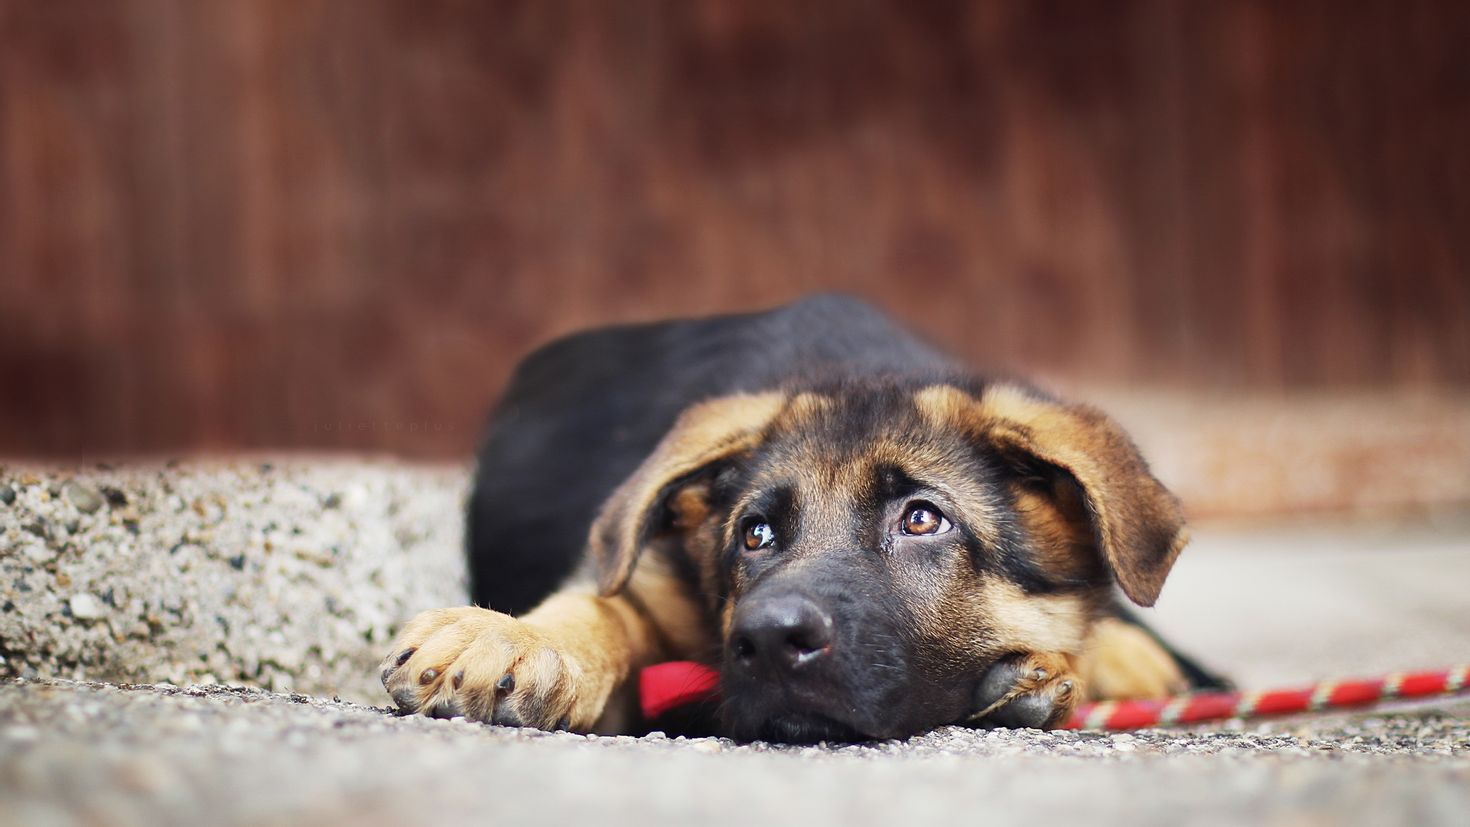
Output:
x=866 y=538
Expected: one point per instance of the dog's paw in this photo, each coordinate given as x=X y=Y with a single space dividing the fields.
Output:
x=484 y=666
x=1034 y=690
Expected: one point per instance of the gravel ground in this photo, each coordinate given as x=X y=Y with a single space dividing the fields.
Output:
x=74 y=753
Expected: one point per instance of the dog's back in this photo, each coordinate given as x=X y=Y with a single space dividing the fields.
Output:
x=581 y=413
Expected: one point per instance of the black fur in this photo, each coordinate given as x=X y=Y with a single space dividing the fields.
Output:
x=581 y=413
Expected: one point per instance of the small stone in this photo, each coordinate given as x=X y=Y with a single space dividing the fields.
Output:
x=7 y=493
x=86 y=607
x=38 y=553
x=86 y=498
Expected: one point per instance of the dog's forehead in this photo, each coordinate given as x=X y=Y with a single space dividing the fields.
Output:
x=853 y=436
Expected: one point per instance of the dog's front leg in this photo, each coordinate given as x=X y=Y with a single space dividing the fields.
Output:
x=556 y=667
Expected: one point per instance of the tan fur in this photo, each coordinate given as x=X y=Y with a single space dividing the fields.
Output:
x=704 y=433
x=567 y=657
x=1120 y=661
x=1021 y=622
x=1138 y=524
x=690 y=507
x=678 y=617
x=1056 y=521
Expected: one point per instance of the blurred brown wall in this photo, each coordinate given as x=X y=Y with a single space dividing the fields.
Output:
x=237 y=224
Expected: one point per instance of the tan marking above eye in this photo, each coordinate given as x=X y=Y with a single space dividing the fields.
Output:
x=924 y=520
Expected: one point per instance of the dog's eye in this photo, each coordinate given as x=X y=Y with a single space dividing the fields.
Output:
x=923 y=519
x=758 y=535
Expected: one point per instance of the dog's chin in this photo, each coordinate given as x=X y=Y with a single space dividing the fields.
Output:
x=796 y=723
x=776 y=714
x=782 y=716
x=798 y=728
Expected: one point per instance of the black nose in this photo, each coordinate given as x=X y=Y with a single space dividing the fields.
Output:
x=780 y=633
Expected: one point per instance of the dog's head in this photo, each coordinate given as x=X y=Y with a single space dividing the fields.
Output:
x=871 y=550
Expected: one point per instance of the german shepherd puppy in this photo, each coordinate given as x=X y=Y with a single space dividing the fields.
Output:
x=867 y=539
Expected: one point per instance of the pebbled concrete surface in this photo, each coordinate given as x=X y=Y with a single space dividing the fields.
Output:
x=151 y=756
x=290 y=575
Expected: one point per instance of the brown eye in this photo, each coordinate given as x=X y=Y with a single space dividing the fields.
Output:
x=923 y=519
x=758 y=535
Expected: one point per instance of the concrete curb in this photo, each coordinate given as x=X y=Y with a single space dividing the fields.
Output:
x=287 y=575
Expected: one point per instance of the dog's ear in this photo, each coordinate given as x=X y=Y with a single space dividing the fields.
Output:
x=703 y=436
x=1137 y=524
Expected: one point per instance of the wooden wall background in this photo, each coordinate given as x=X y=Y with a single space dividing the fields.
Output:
x=243 y=224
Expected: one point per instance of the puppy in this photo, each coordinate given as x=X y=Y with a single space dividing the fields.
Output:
x=867 y=539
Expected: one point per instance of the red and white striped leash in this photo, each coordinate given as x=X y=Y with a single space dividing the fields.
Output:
x=1218 y=706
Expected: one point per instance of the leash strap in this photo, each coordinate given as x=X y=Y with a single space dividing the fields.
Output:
x=1218 y=706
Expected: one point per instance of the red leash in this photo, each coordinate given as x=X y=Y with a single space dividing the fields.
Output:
x=665 y=687
x=1218 y=706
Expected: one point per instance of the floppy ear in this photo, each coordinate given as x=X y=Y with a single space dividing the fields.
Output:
x=703 y=435
x=1137 y=524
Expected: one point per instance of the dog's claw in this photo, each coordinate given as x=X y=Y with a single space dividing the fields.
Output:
x=444 y=709
x=484 y=666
